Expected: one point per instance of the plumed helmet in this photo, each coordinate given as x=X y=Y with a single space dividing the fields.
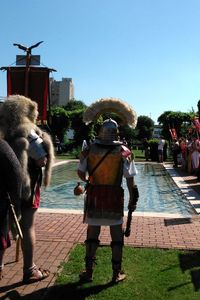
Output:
x=108 y=134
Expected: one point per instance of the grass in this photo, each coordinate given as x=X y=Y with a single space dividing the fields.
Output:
x=152 y=274
x=65 y=156
x=138 y=154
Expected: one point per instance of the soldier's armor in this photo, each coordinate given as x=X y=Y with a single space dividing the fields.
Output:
x=105 y=196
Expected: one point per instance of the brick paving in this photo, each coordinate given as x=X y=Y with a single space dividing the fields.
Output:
x=58 y=233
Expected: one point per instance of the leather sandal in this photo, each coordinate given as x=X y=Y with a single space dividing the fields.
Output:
x=35 y=275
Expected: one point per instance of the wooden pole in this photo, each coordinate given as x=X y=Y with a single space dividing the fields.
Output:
x=28 y=57
x=18 y=243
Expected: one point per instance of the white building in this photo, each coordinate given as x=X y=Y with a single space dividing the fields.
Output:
x=61 y=92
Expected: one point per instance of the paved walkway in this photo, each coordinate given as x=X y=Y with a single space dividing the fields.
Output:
x=57 y=233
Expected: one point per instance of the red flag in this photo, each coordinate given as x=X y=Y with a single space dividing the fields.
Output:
x=173 y=133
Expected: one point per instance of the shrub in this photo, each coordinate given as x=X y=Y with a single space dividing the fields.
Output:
x=76 y=152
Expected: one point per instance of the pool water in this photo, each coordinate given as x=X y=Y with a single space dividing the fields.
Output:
x=158 y=192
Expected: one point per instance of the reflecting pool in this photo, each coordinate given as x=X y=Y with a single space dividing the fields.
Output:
x=158 y=192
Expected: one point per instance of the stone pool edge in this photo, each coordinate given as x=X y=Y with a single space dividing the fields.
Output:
x=191 y=195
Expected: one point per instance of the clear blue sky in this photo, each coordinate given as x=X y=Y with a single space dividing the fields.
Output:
x=146 y=52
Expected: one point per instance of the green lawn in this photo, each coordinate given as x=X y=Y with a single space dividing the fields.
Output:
x=138 y=154
x=151 y=274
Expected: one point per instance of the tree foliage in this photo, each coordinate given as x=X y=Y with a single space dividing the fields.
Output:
x=70 y=117
x=59 y=121
x=145 y=126
x=74 y=105
x=177 y=120
x=81 y=131
x=67 y=117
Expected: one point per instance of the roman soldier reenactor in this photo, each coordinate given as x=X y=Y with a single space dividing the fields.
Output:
x=102 y=166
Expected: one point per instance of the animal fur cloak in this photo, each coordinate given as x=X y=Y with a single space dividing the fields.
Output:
x=18 y=116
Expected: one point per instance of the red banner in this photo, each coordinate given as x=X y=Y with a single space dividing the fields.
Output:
x=173 y=133
x=34 y=84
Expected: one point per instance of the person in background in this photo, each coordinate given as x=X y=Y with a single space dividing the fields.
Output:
x=146 y=147
x=176 y=150
x=104 y=201
x=10 y=189
x=161 y=144
x=183 y=147
x=195 y=157
x=189 y=154
x=84 y=145
x=58 y=145
x=34 y=150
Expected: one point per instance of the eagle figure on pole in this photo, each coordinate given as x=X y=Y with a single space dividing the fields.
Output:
x=27 y=49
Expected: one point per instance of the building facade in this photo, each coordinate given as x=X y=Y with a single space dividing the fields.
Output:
x=61 y=92
x=157 y=131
